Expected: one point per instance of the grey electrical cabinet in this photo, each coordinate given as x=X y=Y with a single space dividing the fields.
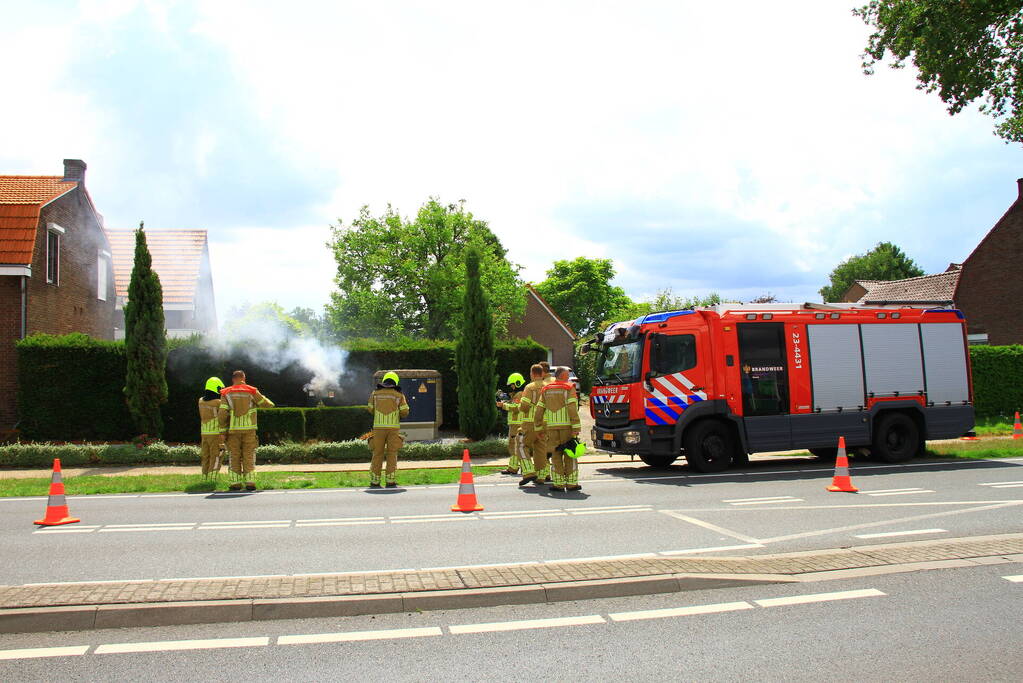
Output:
x=422 y=390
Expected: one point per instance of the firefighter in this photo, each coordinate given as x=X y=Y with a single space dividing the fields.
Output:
x=515 y=383
x=547 y=379
x=533 y=450
x=212 y=434
x=387 y=405
x=558 y=414
x=238 y=417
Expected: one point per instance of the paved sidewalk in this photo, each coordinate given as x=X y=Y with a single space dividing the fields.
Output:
x=74 y=606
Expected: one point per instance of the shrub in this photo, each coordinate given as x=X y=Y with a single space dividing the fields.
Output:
x=337 y=423
x=281 y=424
x=71 y=387
x=997 y=379
x=75 y=455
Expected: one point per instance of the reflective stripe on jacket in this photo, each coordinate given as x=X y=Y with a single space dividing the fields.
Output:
x=239 y=413
x=558 y=407
x=209 y=417
x=514 y=412
x=528 y=399
x=388 y=406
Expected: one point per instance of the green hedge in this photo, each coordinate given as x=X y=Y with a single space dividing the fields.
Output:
x=337 y=424
x=73 y=455
x=281 y=424
x=997 y=379
x=70 y=388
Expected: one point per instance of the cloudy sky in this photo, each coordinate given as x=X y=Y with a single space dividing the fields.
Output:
x=732 y=147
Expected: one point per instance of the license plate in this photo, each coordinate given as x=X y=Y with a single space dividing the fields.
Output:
x=607 y=436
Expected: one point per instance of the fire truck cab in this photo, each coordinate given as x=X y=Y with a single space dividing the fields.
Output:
x=717 y=384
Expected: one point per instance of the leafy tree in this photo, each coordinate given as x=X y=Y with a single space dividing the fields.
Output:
x=666 y=300
x=475 y=361
x=962 y=50
x=314 y=325
x=764 y=299
x=581 y=293
x=884 y=262
x=400 y=277
x=145 y=386
x=265 y=320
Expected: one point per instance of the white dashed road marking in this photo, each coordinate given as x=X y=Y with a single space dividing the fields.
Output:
x=37 y=652
x=360 y=635
x=914 y=532
x=899 y=492
x=1015 y=579
x=427 y=631
x=171 y=645
x=527 y=624
x=680 y=611
x=819 y=597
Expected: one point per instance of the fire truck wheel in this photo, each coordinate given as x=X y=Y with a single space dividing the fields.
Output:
x=896 y=438
x=709 y=446
x=658 y=460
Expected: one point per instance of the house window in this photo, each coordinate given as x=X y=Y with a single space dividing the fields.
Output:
x=53 y=257
x=101 y=275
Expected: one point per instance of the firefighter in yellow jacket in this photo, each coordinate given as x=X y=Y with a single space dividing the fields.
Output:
x=533 y=456
x=515 y=383
x=238 y=417
x=211 y=433
x=558 y=414
x=387 y=405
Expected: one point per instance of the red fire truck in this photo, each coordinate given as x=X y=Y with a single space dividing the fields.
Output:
x=716 y=384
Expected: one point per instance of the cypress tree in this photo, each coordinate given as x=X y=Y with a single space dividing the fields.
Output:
x=145 y=341
x=475 y=361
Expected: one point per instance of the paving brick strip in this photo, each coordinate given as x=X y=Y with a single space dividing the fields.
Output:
x=77 y=606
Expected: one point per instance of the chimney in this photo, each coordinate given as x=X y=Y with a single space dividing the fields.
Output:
x=1019 y=184
x=74 y=169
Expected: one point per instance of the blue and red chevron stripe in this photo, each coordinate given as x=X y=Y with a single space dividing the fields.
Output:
x=669 y=397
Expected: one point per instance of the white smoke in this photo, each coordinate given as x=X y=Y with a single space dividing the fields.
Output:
x=260 y=333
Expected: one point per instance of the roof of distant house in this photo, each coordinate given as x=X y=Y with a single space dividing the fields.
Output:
x=22 y=197
x=936 y=288
x=177 y=259
x=547 y=307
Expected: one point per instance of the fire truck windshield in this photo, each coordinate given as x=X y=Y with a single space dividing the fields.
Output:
x=620 y=363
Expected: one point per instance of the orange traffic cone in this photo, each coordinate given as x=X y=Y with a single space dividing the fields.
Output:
x=56 y=506
x=841 y=481
x=1017 y=429
x=466 y=489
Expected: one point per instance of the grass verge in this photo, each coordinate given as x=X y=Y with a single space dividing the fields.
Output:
x=993 y=426
x=977 y=450
x=194 y=483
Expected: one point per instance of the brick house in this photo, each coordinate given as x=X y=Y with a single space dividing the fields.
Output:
x=182 y=260
x=55 y=270
x=990 y=289
x=540 y=322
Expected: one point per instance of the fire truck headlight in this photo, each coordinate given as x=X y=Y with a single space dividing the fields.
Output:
x=632 y=438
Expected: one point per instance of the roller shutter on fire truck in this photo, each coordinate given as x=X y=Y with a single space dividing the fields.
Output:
x=852 y=364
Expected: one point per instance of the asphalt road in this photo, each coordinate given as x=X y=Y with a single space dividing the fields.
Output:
x=944 y=625
x=768 y=507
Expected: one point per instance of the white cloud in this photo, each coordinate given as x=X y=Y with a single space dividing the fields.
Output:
x=757 y=115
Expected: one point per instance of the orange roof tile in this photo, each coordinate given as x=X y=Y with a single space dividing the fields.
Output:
x=21 y=198
x=177 y=259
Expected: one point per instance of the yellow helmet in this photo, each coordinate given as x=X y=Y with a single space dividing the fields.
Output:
x=391 y=379
x=516 y=379
x=214 y=384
